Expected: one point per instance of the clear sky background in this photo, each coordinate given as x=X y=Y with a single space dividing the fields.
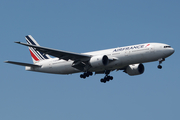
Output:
x=83 y=26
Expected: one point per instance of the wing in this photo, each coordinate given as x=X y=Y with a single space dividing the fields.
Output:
x=59 y=53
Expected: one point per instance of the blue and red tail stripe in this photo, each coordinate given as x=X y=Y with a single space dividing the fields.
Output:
x=33 y=56
x=36 y=55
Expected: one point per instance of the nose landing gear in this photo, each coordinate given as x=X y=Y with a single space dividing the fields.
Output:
x=160 y=62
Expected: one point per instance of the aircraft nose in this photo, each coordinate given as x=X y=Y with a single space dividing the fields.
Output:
x=171 y=51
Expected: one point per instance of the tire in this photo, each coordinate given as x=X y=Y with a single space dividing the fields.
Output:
x=159 y=66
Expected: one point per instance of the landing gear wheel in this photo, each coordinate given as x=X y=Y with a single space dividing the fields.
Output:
x=111 y=77
x=103 y=80
x=90 y=73
x=106 y=78
x=159 y=66
x=82 y=76
x=86 y=74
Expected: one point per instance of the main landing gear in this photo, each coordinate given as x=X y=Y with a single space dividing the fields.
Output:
x=104 y=80
x=107 y=77
x=160 y=62
x=86 y=74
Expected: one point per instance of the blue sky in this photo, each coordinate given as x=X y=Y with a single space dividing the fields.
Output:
x=83 y=26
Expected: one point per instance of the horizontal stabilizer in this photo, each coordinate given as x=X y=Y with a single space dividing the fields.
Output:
x=22 y=64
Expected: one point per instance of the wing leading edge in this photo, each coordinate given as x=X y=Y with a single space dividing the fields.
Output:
x=59 y=53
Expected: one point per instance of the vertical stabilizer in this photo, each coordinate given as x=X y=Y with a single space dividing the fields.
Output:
x=35 y=54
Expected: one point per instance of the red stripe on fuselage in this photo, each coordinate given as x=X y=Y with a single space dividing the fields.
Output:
x=33 y=56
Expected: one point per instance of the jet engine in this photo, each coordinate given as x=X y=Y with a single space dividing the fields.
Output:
x=99 y=61
x=135 y=69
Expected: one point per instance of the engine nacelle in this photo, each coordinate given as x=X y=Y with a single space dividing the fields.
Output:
x=99 y=61
x=135 y=69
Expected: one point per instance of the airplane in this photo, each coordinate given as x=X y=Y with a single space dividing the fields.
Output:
x=130 y=59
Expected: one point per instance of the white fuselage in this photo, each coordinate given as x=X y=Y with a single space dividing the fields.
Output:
x=121 y=57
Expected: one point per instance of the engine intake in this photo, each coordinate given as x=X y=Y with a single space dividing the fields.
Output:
x=99 y=61
x=135 y=69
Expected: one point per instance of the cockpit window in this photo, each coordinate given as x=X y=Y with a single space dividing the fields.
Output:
x=167 y=46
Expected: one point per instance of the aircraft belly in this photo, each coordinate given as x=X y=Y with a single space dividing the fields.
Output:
x=65 y=68
x=57 y=68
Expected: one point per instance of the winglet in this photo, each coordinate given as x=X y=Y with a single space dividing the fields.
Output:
x=17 y=42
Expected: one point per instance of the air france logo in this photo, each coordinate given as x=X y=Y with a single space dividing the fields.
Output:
x=147 y=45
x=131 y=47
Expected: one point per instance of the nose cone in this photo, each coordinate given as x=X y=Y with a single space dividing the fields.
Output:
x=172 y=51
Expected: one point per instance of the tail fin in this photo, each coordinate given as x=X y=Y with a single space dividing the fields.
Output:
x=35 y=54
